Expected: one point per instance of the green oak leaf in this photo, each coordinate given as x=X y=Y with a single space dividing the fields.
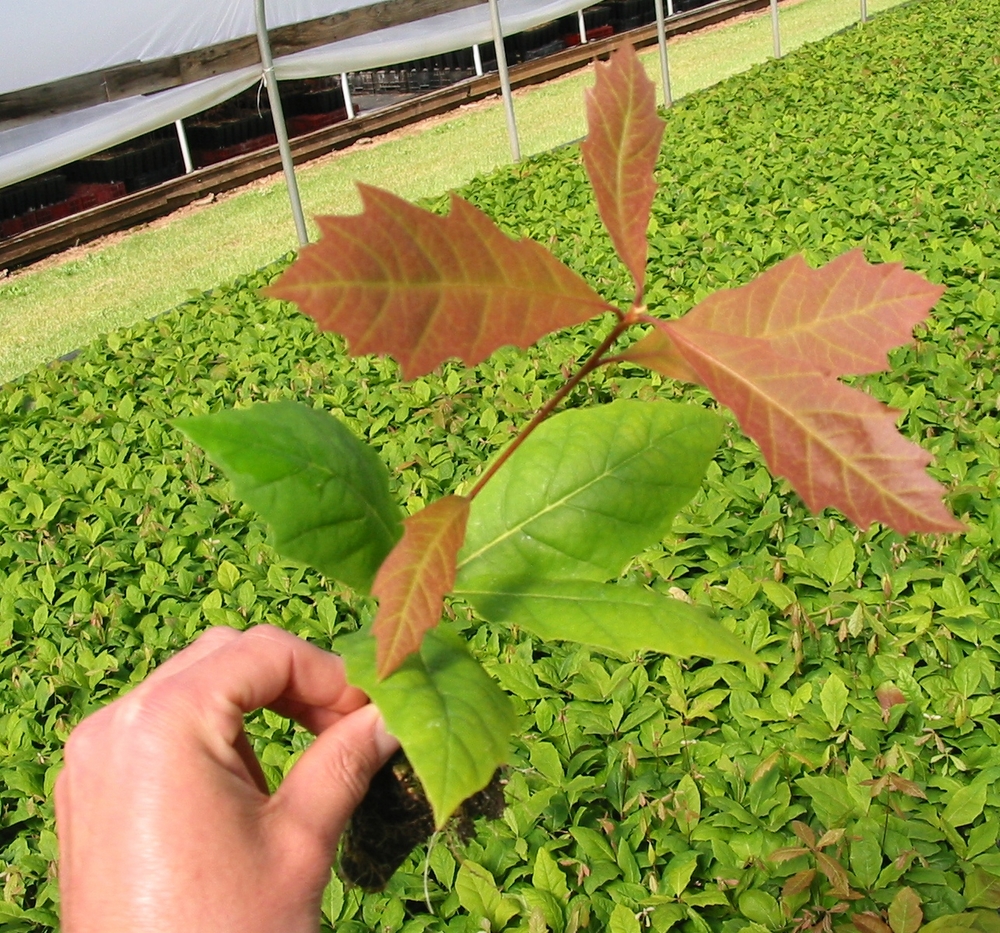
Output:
x=965 y=804
x=324 y=493
x=621 y=618
x=453 y=721
x=832 y=800
x=479 y=895
x=982 y=889
x=587 y=491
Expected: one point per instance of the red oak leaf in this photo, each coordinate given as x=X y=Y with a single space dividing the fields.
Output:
x=836 y=445
x=398 y=279
x=413 y=579
x=771 y=351
x=656 y=351
x=869 y=922
x=619 y=154
x=843 y=317
x=889 y=695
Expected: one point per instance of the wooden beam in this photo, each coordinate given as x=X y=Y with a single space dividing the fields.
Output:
x=127 y=80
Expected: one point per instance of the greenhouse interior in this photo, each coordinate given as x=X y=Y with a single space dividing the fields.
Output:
x=500 y=465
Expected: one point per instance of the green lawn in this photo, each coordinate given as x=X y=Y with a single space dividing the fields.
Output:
x=52 y=311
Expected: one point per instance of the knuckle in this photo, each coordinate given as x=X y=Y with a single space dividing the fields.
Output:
x=269 y=633
x=217 y=636
x=85 y=740
x=351 y=768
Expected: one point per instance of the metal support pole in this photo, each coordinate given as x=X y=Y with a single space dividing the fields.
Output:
x=670 y=7
x=280 y=129
x=346 y=88
x=661 y=38
x=477 y=60
x=185 y=151
x=864 y=11
x=508 y=98
x=583 y=27
x=775 y=33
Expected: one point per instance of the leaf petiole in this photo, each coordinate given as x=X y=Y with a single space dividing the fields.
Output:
x=593 y=361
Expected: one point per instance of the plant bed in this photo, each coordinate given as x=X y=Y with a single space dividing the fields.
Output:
x=31 y=195
x=204 y=157
x=81 y=198
x=309 y=122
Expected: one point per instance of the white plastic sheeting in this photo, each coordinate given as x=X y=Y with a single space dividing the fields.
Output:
x=36 y=148
x=52 y=39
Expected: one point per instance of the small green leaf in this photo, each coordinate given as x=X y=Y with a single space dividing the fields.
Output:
x=952 y=922
x=965 y=804
x=478 y=894
x=778 y=593
x=762 y=908
x=679 y=871
x=623 y=921
x=983 y=837
x=905 y=914
x=615 y=617
x=587 y=491
x=982 y=889
x=595 y=846
x=545 y=912
x=333 y=899
x=866 y=860
x=452 y=720
x=229 y=576
x=545 y=759
x=324 y=493
x=833 y=699
x=548 y=876
x=687 y=804
x=832 y=800
x=839 y=563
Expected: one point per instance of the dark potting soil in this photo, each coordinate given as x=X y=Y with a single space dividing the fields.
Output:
x=395 y=817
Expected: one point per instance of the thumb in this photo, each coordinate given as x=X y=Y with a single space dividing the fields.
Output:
x=328 y=782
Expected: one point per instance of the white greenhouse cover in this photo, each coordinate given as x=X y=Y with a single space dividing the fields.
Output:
x=48 y=40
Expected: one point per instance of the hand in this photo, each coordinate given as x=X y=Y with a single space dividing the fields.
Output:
x=163 y=814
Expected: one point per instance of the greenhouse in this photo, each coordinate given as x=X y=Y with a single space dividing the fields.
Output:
x=585 y=523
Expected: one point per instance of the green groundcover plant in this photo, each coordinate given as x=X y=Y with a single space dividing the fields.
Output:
x=566 y=507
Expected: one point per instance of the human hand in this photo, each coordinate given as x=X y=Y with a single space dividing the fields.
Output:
x=162 y=810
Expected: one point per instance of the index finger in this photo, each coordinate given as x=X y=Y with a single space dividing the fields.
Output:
x=267 y=666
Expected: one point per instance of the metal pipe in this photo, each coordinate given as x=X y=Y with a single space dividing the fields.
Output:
x=185 y=151
x=477 y=60
x=280 y=129
x=864 y=11
x=661 y=38
x=583 y=27
x=345 y=86
x=775 y=32
x=508 y=97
